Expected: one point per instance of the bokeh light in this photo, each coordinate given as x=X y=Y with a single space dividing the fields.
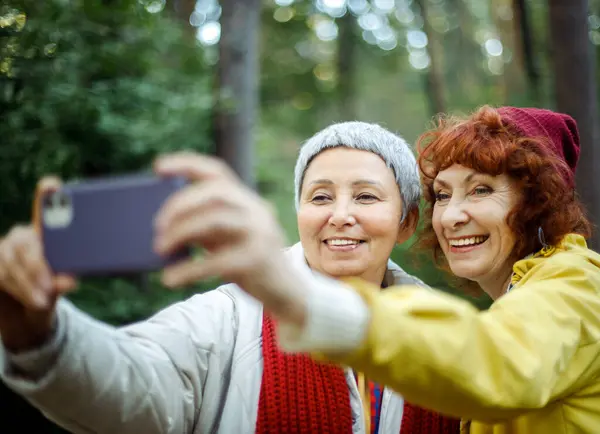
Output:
x=209 y=33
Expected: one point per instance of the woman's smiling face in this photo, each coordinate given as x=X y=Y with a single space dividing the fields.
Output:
x=470 y=222
x=349 y=214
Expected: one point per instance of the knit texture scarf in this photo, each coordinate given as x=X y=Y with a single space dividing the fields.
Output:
x=301 y=396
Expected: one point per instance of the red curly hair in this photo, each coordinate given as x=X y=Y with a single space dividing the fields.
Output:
x=485 y=144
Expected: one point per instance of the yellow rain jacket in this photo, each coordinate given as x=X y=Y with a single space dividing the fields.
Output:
x=528 y=365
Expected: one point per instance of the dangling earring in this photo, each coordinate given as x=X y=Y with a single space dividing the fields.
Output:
x=542 y=238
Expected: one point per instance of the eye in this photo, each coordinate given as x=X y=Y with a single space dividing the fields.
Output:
x=367 y=197
x=482 y=190
x=319 y=198
x=441 y=196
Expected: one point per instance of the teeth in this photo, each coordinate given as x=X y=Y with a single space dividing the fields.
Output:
x=468 y=241
x=342 y=242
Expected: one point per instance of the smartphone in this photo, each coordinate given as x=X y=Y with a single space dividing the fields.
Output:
x=105 y=227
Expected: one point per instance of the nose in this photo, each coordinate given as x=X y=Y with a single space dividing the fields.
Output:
x=341 y=214
x=454 y=215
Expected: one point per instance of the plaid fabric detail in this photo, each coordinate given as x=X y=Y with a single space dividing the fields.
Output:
x=376 y=392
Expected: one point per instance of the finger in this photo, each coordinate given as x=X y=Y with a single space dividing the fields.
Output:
x=29 y=253
x=64 y=284
x=48 y=184
x=27 y=271
x=195 y=167
x=16 y=281
x=212 y=229
x=185 y=273
x=197 y=200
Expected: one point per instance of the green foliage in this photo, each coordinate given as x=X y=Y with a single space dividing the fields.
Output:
x=91 y=88
x=94 y=89
x=124 y=301
x=289 y=88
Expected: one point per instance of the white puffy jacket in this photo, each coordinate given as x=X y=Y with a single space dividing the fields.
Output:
x=195 y=367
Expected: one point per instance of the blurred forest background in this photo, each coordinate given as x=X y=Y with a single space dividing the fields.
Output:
x=96 y=87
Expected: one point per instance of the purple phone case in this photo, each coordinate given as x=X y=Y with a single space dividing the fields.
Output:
x=112 y=227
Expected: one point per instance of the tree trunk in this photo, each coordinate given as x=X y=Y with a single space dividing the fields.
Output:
x=511 y=82
x=434 y=79
x=507 y=83
x=346 y=67
x=524 y=52
x=469 y=55
x=575 y=86
x=236 y=104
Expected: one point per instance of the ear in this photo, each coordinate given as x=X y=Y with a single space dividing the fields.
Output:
x=408 y=226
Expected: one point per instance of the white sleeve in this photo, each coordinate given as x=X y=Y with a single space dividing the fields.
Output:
x=337 y=318
x=145 y=378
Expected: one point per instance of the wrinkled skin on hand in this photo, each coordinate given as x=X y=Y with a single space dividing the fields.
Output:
x=237 y=228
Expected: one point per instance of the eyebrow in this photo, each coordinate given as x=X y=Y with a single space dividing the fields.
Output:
x=354 y=183
x=467 y=179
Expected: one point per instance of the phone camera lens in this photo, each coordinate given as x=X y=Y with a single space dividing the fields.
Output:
x=63 y=201
x=47 y=202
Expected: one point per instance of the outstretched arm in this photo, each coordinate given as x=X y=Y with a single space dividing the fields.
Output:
x=536 y=345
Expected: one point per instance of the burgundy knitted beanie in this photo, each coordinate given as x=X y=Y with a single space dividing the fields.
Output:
x=558 y=129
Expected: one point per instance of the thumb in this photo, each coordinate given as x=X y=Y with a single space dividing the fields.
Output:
x=64 y=284
x=48 y=184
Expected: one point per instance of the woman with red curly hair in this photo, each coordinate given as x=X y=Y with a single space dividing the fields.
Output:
x=503 y=215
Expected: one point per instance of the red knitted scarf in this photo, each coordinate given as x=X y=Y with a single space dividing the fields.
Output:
x=300 y=396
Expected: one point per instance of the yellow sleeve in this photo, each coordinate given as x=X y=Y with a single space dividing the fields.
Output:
x=535 y=345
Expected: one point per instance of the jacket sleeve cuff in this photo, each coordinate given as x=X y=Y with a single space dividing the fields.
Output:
x=337 y=319
x=34 y=364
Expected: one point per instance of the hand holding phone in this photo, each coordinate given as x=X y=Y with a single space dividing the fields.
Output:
x=28 y=289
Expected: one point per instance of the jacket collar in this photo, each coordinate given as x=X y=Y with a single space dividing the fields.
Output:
x=522 y=267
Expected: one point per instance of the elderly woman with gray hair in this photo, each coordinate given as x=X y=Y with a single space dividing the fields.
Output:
x=211 y=364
